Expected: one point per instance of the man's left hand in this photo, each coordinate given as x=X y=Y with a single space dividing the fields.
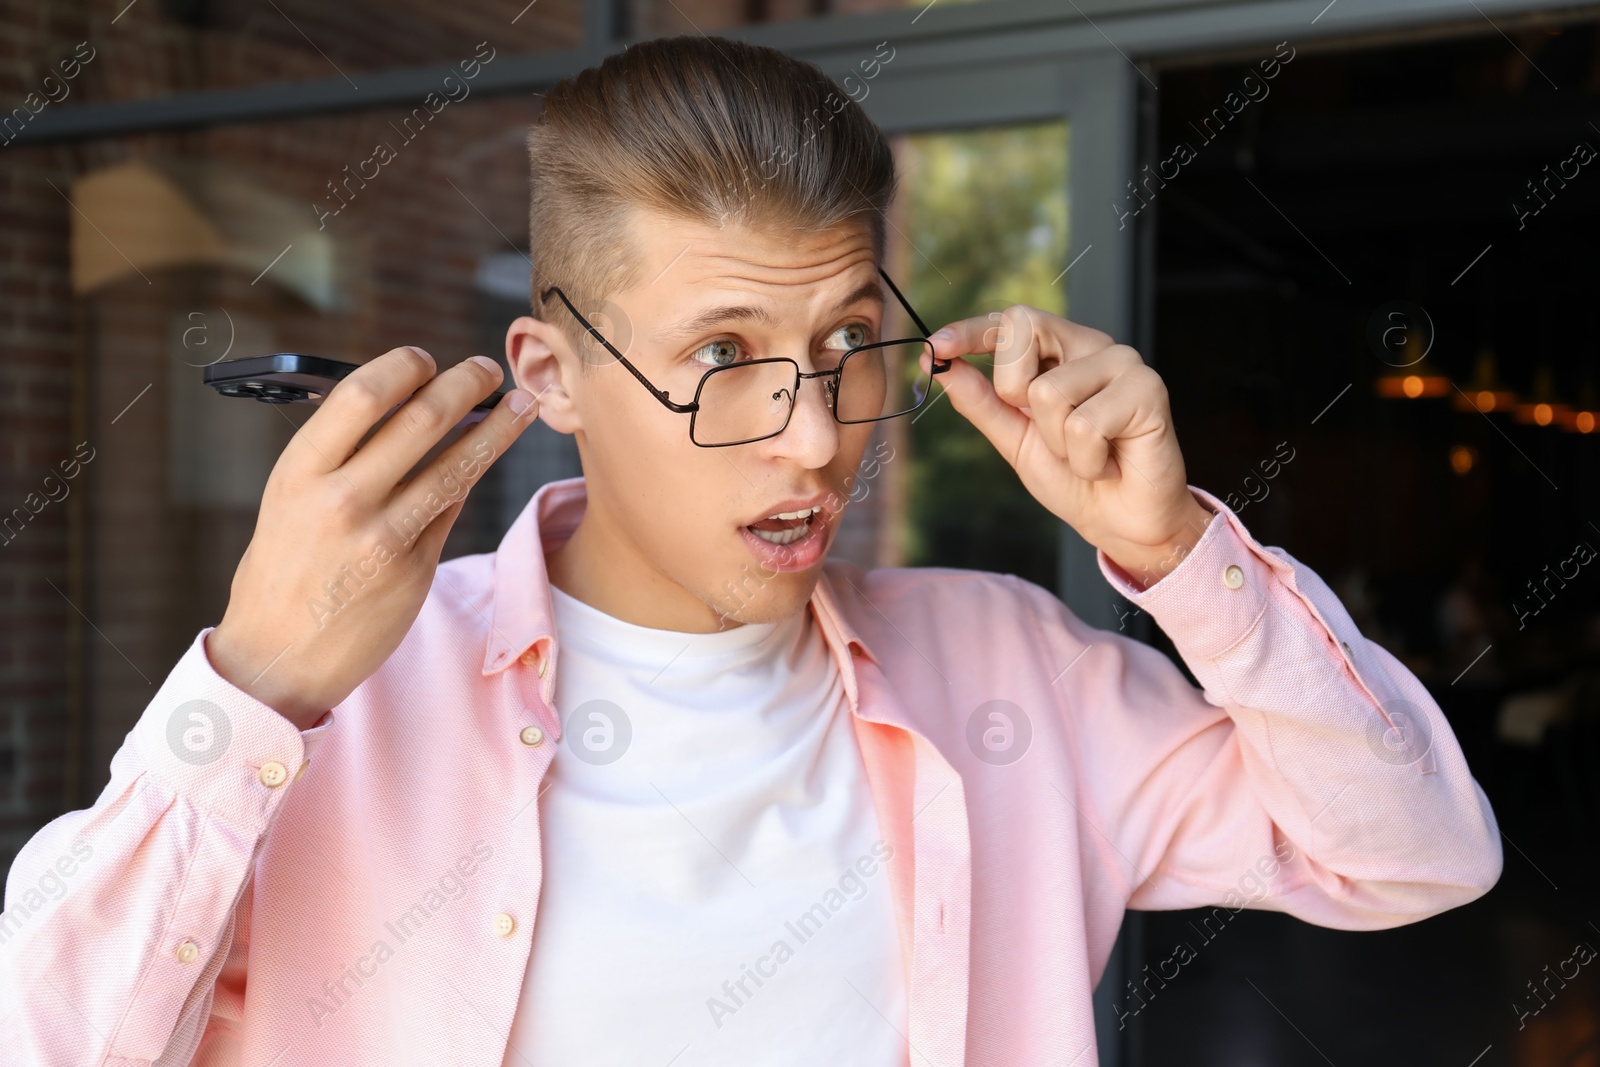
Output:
x=1087 y=427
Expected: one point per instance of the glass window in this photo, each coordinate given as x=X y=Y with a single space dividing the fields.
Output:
x=151 y=257
x=981 y=224
x=168 y=47
x=1372 y=305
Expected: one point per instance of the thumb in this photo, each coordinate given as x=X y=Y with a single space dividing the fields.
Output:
x=972 y=394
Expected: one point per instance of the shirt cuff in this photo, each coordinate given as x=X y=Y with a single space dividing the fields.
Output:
x=1216 y=594
x=223 y=749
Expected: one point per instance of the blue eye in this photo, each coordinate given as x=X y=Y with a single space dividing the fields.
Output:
x=859 y=331
x=723 y=352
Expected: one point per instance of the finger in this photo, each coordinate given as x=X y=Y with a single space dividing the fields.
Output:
x=421 y=422
x=1050 y=342
x=1053 y=396
x=1007 y=335
x=973 y=396
x=1026 y=346
x=446 y=481
x=1024 y=341
x=1114 y=415
x=430 y=545
x=358 y=401
x=1049 y=405
x=1011 y=330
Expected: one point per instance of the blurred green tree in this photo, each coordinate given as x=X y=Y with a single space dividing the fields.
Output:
x=986 y=214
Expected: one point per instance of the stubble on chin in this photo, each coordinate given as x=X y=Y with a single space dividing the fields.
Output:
x=739 y=604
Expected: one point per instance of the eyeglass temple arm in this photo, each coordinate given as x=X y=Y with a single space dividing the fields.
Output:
x=939 y=365
x=664 y=398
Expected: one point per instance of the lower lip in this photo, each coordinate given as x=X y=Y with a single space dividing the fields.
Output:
x=796 y=556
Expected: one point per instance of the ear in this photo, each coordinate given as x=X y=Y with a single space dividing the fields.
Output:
x=531 y=347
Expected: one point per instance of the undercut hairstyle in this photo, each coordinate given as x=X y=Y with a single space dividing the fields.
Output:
x=699 y=129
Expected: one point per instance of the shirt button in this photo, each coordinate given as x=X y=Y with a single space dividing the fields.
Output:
x=1233 y=576
x=188 y=952
x=530 y=658
x=273 y=774
x=1346 y=648
x=504 y=924
x=532 y=736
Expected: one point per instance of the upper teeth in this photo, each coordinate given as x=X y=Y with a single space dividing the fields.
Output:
x=805 y=513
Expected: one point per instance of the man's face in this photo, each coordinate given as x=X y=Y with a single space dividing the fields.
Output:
x=680 y=531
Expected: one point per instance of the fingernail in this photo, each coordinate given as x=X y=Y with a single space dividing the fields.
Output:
x=486 y=363
x=424 y=353
x=945 y=334
x=519 y=400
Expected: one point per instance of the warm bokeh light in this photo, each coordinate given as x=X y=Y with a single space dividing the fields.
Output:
x=1475 y=398
x=1462 y=458
x=1419 y=383
x=1580 y=421
x=1541 y=413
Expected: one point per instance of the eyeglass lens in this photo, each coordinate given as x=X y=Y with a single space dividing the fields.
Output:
x=747 y=401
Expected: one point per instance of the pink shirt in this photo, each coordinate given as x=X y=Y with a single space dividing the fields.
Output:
x=364 y=891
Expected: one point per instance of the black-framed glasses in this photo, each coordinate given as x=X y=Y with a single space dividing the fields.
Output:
x=753 y=400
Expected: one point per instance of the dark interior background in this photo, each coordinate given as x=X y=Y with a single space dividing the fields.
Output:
x=1369 y=176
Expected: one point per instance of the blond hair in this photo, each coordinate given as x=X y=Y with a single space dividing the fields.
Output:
x=699 y=129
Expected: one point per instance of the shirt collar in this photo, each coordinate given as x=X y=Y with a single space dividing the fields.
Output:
x=522 y=621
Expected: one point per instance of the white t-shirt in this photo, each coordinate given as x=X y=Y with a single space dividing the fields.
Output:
x=715 y=890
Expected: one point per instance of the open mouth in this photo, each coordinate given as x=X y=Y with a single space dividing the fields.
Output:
x=790 y=541
x=786 y=527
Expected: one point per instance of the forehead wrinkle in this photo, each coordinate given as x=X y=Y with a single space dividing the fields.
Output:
x=867 y=290
x=729 y=313
x=760 y=273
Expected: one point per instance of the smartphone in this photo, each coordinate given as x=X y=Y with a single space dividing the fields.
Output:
x=293 y=378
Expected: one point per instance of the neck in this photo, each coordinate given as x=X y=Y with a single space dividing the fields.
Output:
x=605 y=570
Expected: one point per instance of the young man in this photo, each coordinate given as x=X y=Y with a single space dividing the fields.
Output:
x=656 y=782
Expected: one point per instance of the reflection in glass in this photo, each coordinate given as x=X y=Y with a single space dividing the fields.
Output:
x=981 y=224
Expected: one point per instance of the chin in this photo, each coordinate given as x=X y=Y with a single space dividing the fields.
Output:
x=754 y=598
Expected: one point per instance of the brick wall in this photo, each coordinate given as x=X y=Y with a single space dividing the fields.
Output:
x=101 y=592
x=38 y=419
x=150 y=569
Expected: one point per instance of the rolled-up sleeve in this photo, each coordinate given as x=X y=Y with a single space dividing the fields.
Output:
x=119 y=917
x=1312 y=773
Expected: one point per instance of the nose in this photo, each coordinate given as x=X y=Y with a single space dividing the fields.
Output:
x=812 y=436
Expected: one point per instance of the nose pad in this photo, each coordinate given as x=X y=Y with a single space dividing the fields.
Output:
x=780 y=402
x=830 y=390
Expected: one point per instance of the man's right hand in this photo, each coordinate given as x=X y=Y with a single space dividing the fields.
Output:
x=344 y=552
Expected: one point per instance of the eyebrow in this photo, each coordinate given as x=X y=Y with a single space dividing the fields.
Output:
x=718 y=316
